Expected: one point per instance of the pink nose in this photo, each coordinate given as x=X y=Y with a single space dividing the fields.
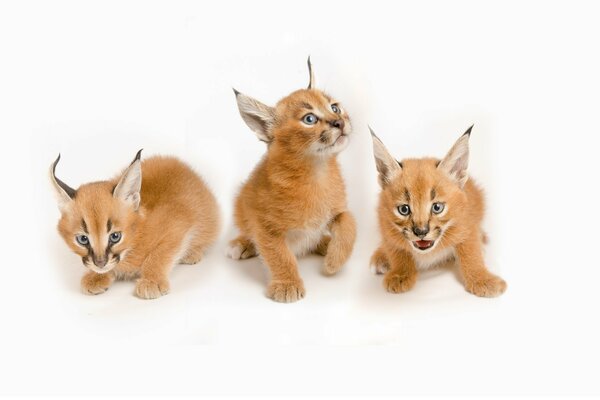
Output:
x=100 y=261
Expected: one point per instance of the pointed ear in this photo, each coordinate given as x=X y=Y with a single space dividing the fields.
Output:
x=258 y=116
x=311 y=75
x=387 y=165
x=128 y=188
x=64 y=193
x=457 y=160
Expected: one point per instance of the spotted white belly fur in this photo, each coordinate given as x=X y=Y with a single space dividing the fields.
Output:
x=428 y=260
x=303 y=241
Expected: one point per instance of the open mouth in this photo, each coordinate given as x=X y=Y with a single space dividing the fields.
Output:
x=423 y=244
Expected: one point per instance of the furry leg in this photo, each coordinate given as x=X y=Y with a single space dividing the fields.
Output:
x=343 y=234
x=154 y=275
x=477 y=279
x=286 y=286
x=403 y=273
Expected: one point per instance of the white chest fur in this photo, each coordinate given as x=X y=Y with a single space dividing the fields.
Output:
x=429 y=260
x=302 y=241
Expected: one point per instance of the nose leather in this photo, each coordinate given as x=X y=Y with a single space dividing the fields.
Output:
x=100 y=262
x=337 y=123
x=421 y=231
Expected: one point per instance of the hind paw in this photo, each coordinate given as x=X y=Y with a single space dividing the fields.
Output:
x=240 y=249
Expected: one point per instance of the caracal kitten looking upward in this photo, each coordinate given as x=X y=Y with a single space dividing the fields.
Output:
x=294 y=202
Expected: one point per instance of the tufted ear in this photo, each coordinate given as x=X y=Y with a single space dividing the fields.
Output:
x=311 y=75
x=64 y=193
x=387 y=165
x=457 y=160
x=130 y=184
x=258 y=116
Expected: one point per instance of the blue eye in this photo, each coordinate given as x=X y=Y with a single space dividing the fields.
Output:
x=82 y=240
x=404 y=209
x=335 y=108
x=115 y=237
x=310 y=119
x=437 y=208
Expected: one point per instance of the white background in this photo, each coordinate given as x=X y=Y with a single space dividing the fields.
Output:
x=97 y=81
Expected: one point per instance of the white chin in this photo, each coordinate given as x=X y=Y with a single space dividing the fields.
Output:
x=103 y=270
x=340 y=144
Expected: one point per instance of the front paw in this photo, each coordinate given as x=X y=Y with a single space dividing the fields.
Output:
x=487 y=286
x=148 y=289
x=331 y=267
x=286 y=291
x=379 y=263
x=395 y=282
x=93 y=283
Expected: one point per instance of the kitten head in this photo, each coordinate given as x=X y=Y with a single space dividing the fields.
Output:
x=306 y=122
x=98 y=220
x=422 y=198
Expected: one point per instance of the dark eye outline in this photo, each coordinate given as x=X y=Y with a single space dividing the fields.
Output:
x=304 y=119
x=115 y=239
x=442 y=205
x=335 y=108
x=82 y=240
x=406 y=211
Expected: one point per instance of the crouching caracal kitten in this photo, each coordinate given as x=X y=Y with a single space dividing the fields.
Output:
x=129 y=227
x=430 y=213
x=294 y=201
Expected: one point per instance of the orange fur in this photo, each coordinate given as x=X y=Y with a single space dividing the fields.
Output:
x=172 y=219
x=454 y=234
x=294 y=201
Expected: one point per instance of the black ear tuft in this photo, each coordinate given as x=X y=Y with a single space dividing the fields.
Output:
x=310 y=74
x=138 y=156
x=68 y=190
x=54 y=165
x=468 y=131
x=236 y=92
x=373 y=132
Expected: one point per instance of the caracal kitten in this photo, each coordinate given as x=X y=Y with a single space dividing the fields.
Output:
x=294 y=202
x=129 y=227
x=430 y=213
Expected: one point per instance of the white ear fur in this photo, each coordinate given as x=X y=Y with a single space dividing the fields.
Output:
x=311 y=75
x=387 y=165
x=128 y=188
x=457 y=160
x=258 y=116
x=64 y=193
